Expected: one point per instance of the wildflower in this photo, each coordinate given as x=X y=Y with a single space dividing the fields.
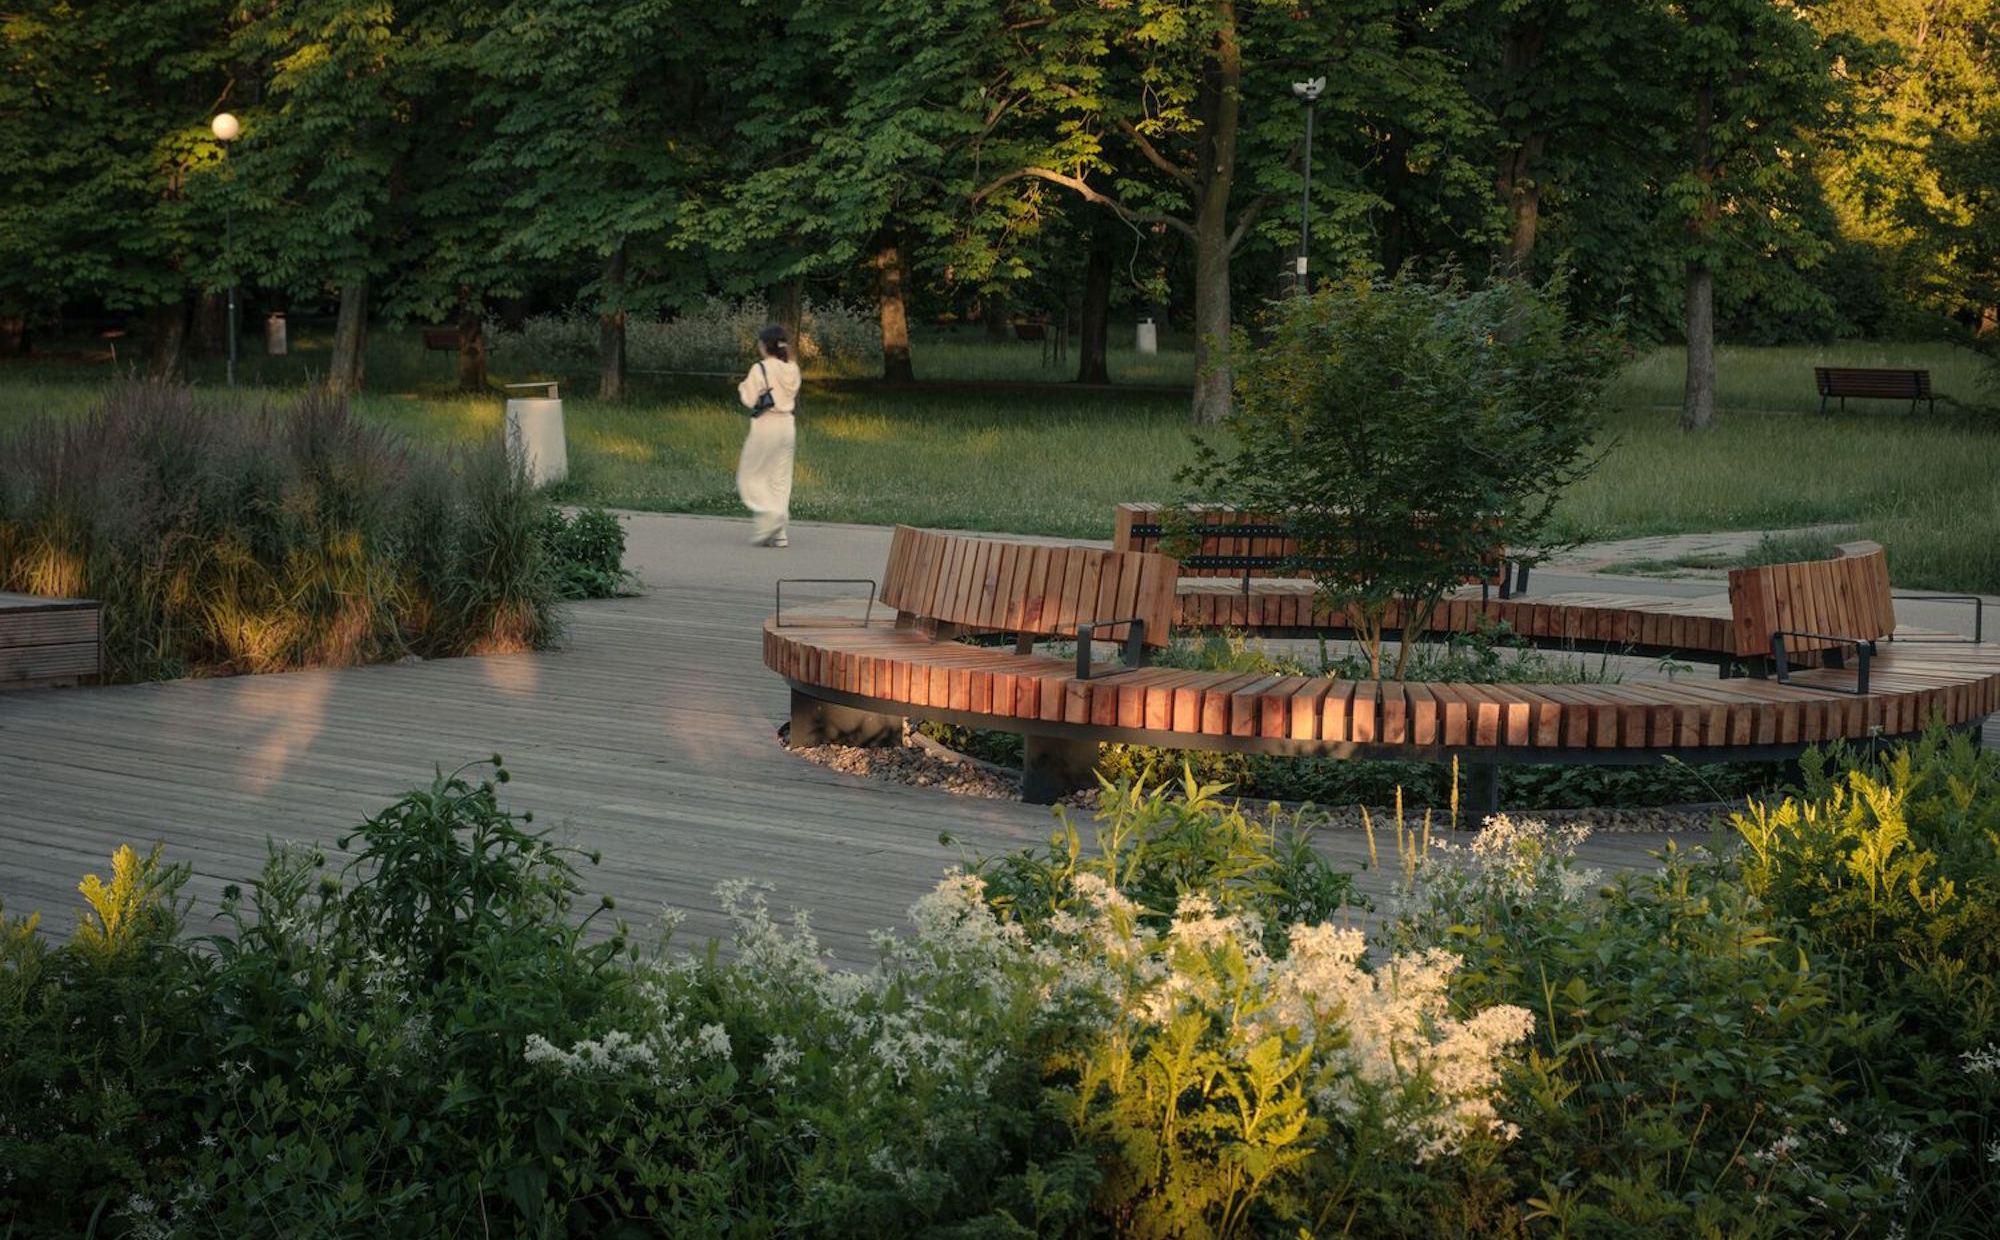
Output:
x=1982 y=1062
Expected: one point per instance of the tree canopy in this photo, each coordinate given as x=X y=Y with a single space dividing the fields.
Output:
x=1751 y=169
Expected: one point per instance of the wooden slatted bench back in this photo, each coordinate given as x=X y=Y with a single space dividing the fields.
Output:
x=1036 y=588
x=1844 y=597
x=1887 y=384
x=1225 y=532
x=1247 y=544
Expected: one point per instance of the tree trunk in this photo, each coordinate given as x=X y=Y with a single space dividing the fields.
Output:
x=1698 y=398
x=350 y=339
x=472 y=349
x=13 y=335
x=1094 y=323
x=1698 y=395
x=1521 y=195
x=1216 y=176
x=167 y=324
x=896 y=367
x=995 y=318
x=210 y=329
x=786 y=303
x=611 y=328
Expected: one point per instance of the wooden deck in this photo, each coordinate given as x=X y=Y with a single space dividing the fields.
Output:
x=650 y=736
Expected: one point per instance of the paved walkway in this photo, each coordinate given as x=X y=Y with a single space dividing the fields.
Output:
x=649 y=736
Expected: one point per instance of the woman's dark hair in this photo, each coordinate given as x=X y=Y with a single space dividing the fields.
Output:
x=776 y=342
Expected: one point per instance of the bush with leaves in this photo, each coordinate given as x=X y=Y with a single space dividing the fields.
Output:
x=103 y=1062
x=1408 y=430
x=586 y=552
x=1886 y=869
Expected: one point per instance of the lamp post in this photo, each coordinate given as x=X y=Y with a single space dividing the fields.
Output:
x=1309 y=92
x=225 y=128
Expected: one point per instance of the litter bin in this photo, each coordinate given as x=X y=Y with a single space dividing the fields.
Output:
x=274 y=334
x=1149 y=337
x=535 y=433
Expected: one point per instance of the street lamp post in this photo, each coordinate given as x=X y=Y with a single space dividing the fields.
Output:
x=225 y=128
x=1308 y=91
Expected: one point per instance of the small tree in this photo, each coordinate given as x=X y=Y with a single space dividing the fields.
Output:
x=1408 y=430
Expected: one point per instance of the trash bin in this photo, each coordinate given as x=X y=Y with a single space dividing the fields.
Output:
x=274 y=334
x=1149 y=337
x=535 y=433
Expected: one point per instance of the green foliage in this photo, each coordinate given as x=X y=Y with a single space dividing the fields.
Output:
x=586 y=553
x=1158 y=844
x=1660 y=1097
x=220 y=540
x=1888 y=870
x=1409 y=430
x=104 y=1070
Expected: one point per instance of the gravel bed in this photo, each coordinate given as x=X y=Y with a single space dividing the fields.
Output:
x=922 y=762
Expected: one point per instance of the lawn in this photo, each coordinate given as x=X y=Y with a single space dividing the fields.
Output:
x=1020 y=457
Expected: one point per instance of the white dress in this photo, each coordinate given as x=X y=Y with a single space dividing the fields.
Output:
x=764 y=472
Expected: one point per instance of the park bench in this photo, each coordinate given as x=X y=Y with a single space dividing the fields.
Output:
x=1231 y=543
x=856 y=677
x=1873 y=383
x=442 y=340
x=1054 y=338
x=45 y=642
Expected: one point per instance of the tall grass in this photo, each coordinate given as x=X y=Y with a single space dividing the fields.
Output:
x=221 y=539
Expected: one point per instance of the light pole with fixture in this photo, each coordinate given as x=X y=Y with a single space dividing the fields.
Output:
x=225 y=127
x=1308 y=91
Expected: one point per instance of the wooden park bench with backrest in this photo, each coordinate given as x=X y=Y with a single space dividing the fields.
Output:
x=945 y=586
x=1229 y=542
x=442 y=340
x=1873 y=384
x=855 y=678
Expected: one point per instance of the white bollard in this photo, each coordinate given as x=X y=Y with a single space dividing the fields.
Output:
x=1149 y=337
x=535 y=434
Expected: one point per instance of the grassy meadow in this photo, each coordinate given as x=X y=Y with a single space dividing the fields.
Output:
x=1027 y=453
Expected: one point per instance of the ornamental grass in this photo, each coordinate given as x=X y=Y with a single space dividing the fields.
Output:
x=223 y=539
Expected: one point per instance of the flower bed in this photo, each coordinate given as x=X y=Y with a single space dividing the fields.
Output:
x=1178 y=1024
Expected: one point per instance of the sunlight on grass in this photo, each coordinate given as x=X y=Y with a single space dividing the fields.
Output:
x=1056 y=460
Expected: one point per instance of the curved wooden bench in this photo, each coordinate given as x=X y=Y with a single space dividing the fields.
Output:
x=856 y=681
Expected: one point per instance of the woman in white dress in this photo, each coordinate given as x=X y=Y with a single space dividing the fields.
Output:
x=764 y=473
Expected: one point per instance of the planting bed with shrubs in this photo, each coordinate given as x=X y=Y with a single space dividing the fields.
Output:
x=221 y=539
x=1177 y=1024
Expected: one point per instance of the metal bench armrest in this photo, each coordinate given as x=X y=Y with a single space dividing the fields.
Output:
x=1135 y=643
x=1978 y=608
x=1863 y=647
x=779 y=608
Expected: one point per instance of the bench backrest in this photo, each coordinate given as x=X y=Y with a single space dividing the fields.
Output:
x=1225 y=533
x=441 y=338
x=1233 y=542
x=1015 y=587
x=1861 y=381
x=1844 y=597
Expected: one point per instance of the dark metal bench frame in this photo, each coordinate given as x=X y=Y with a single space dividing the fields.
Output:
x=1873 y=383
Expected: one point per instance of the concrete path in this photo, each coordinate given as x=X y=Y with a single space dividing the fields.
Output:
x=649 y=737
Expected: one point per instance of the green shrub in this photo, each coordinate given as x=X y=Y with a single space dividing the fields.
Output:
x=103 y=1066
x=1409 y=429
x=220 y=540
x=586 y=552
x=1683 y=1075
x=1886 y=870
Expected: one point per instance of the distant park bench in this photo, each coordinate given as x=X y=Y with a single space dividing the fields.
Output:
x=441 y=340
x=1038 y=330
x=1873 y=384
